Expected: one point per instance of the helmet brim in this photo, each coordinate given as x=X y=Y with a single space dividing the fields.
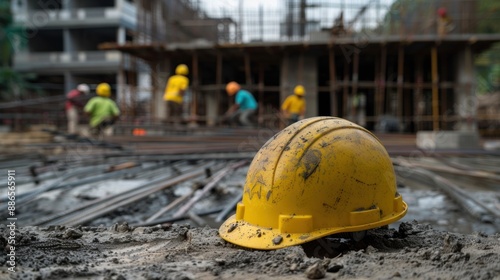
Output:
x=248 y=235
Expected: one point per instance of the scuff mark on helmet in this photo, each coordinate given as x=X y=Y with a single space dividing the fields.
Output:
x=310 y=161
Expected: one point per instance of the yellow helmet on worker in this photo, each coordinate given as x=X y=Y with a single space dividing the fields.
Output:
x=317 y=177
x=299 y=90
x=182 y=69
x=232 y=88
x=103 y=89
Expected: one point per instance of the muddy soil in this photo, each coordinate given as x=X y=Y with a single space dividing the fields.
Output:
x=412 y=251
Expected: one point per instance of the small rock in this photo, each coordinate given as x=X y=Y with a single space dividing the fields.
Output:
x=72 y=233
x=452 y=244
x=143 y=230
x=370 y=249
x=397 y=274
x=315 y=271
x=123 y=227
x=293 y=267
x=232 y=227
x=334 y=267
x=220 y=261
x=277 y=240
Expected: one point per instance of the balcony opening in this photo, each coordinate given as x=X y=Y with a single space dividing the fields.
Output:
x=93 y=4
x=46 y=41
x=89 y=39
x=44 y=5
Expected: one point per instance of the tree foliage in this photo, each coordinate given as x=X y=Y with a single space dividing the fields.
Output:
x=419 y=15
x=488 y=16
x=13 y=85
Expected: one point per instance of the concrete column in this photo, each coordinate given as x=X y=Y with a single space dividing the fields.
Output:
x=212 y=107
x=69 y=82
x=465 y=97
x=68 y=41
x=159 y=76
x=121 y=35
x=296 y=70
x=120 y=86
x=67 y=4
x=213 y=97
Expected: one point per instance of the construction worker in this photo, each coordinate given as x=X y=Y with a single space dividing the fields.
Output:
x=244 y=107
x=315 y=178
x=174 y=92
x=444 y=23
x=74 y=102
x=294 y=106
x=102 y=110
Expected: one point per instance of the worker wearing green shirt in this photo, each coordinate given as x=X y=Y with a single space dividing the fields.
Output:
x=102 y=110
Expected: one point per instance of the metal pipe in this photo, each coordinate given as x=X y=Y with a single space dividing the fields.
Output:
x=230 y=207
x=113 y=204
x=170 y=206
x=214 y=180
x=66 y=214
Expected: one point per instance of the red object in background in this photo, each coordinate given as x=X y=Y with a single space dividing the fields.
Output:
x=442 y=12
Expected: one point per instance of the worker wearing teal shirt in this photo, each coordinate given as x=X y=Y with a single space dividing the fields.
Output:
x=244 y=107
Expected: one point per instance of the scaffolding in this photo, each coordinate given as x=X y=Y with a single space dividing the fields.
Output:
x=410 y=61
x=299 y=20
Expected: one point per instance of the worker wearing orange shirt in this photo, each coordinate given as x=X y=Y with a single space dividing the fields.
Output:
x=174 y=92
x=294 y=106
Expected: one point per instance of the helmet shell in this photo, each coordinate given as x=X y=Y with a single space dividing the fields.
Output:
x=182 y=69
x=232 y=88
x=83 y=88
x=103 y=89
x=317 y=177
x=299 y=90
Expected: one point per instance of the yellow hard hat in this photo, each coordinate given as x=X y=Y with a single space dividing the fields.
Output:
x=103 y=89
x=317 y=177
x=232 y=88
x=182 y=69
x=299 y=90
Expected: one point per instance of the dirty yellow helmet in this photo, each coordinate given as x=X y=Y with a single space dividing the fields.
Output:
x=317 y=177
x=182 y=69
x=299 y=90
x=232 y=88
x=103 y=89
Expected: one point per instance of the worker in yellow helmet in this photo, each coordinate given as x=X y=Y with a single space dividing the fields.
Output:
x=102 y=110
x=174 y=92
x=294 y=106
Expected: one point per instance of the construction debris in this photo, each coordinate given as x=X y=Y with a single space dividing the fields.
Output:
x=412 y=251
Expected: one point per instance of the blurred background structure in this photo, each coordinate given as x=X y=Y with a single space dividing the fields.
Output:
x=394 y=66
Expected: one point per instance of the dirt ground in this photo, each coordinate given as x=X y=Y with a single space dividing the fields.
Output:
x=413 y=251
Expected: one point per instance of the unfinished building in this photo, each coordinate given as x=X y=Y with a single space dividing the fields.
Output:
x=62 y=39
x=363 y=60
